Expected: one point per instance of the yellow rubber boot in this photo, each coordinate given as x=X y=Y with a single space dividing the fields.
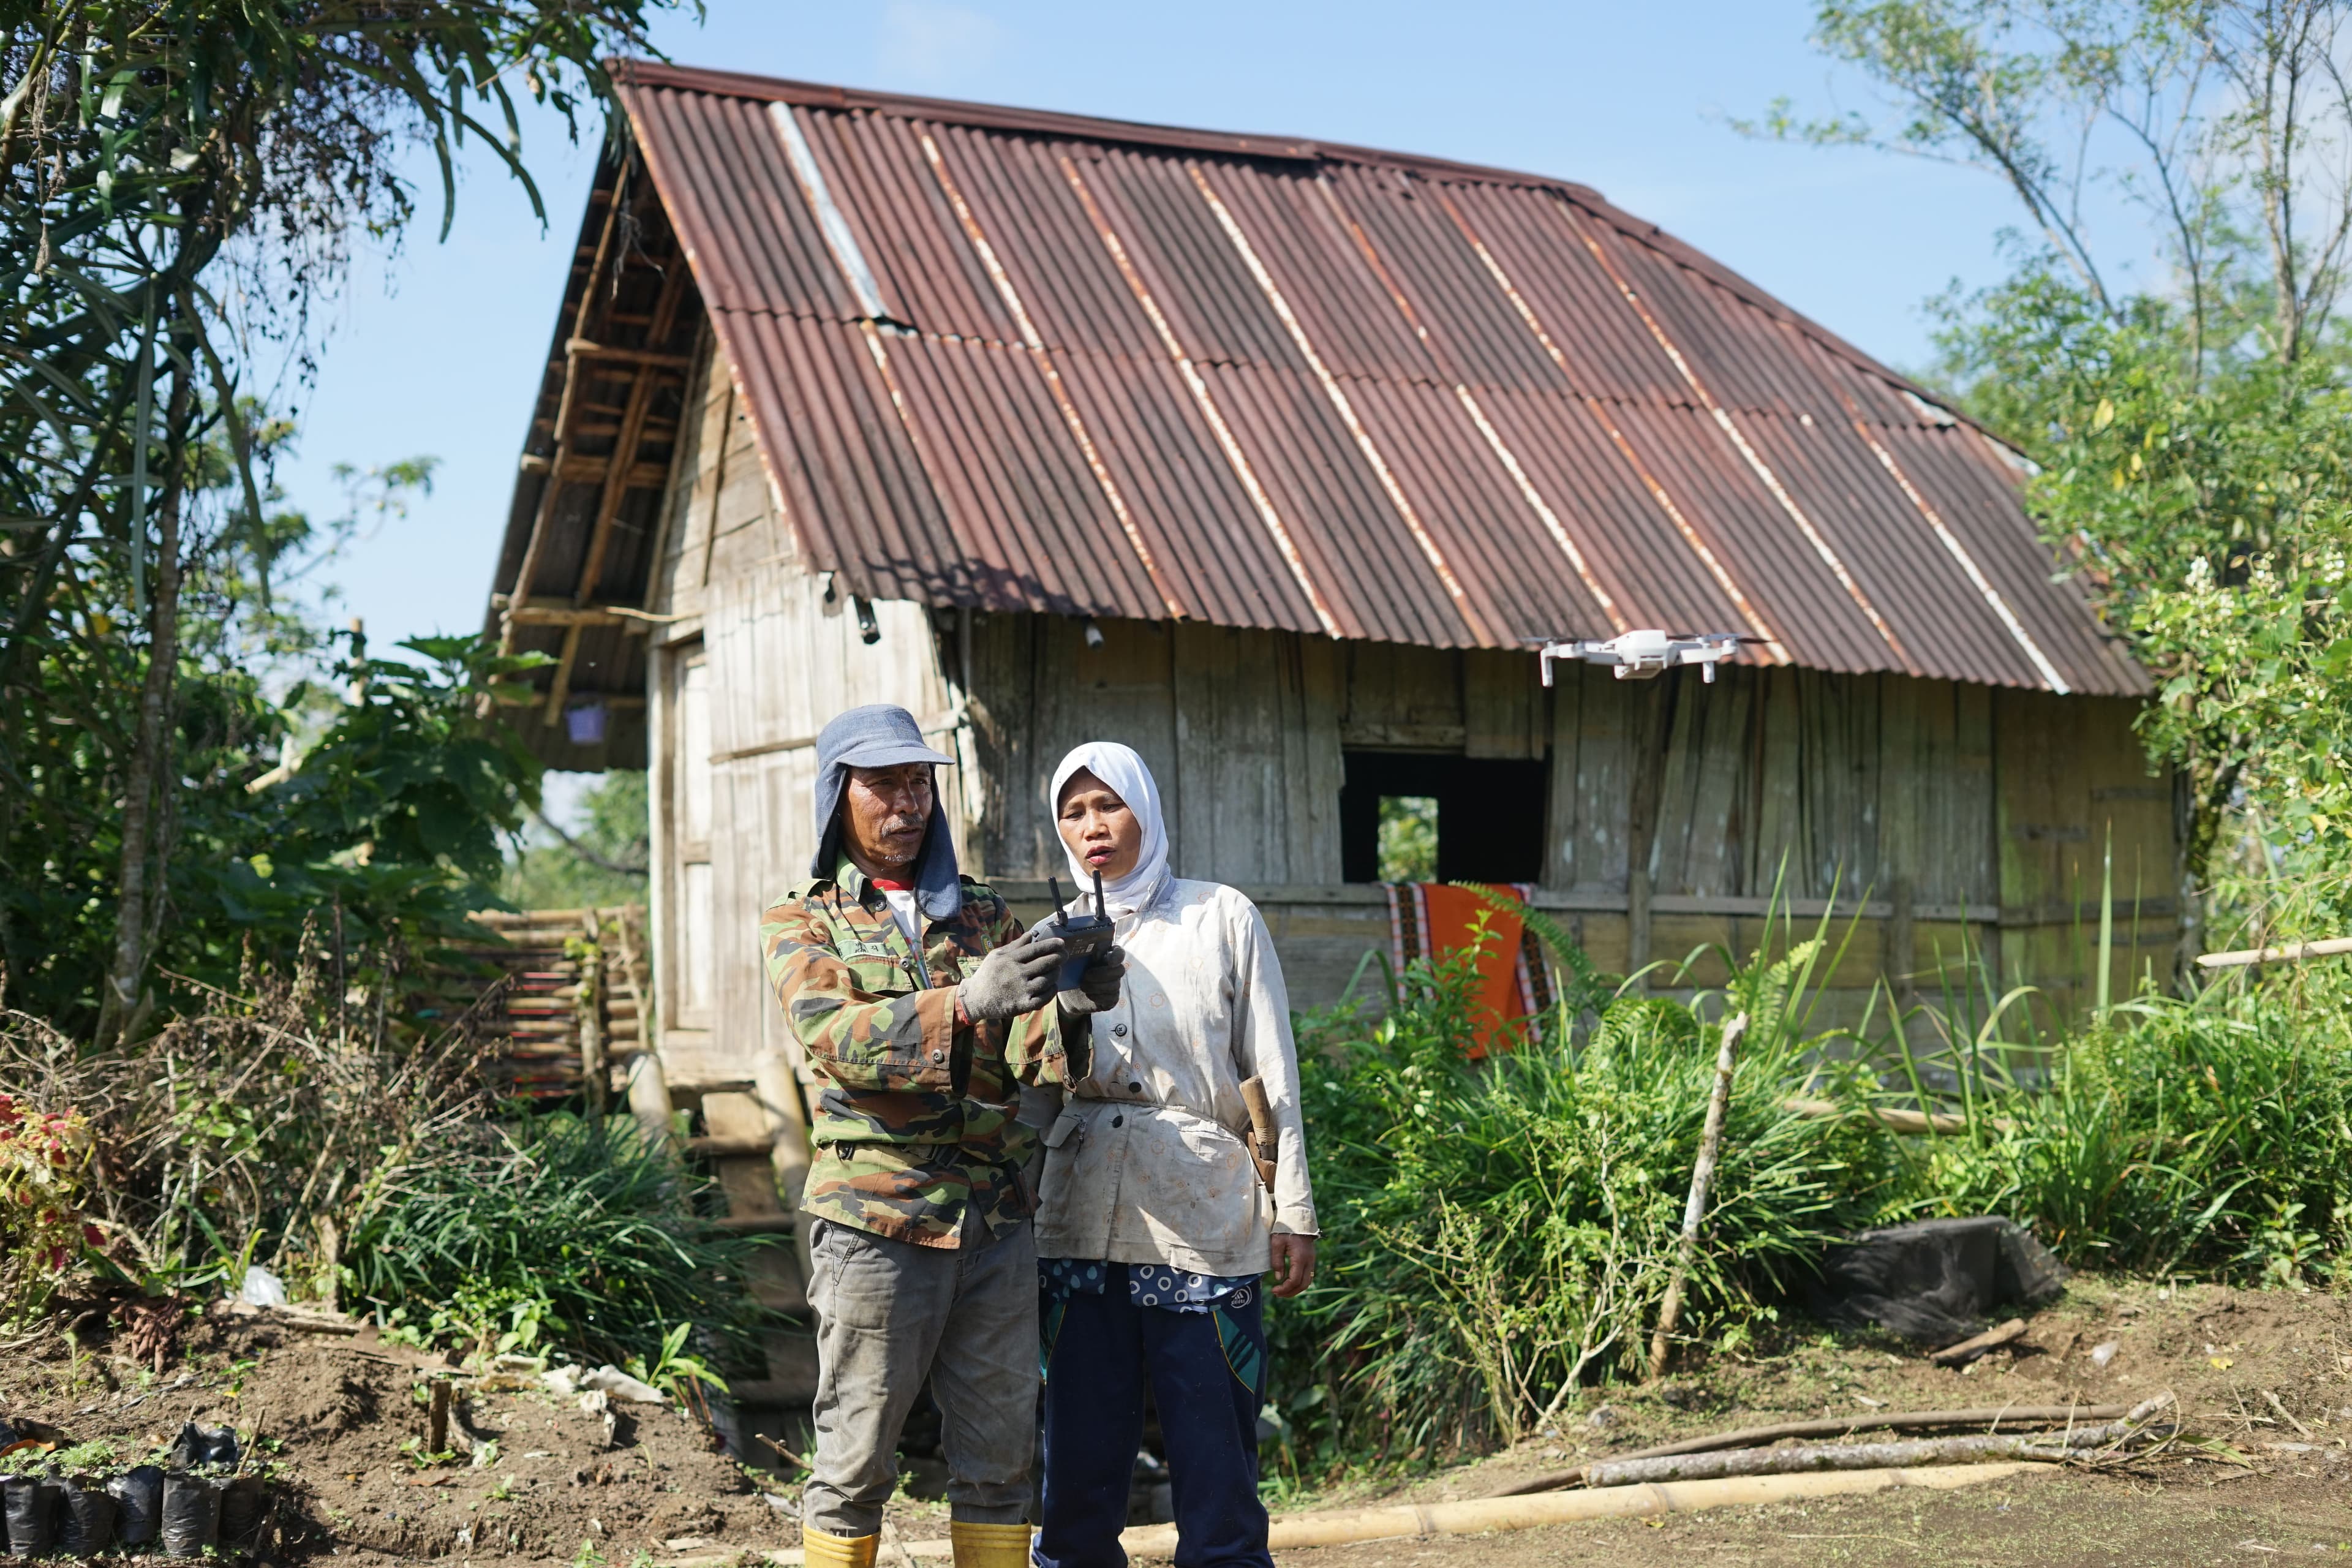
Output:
x=822 y=1551
x=988 y=1545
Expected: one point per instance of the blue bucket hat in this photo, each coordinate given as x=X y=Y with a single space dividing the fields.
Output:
x=884 y=736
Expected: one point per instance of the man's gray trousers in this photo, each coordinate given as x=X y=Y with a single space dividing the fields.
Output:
x=889 y=1312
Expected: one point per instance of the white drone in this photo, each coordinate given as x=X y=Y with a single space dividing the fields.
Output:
x=1639 y=655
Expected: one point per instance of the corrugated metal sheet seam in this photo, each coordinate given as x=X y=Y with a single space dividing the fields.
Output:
x=1018 y=359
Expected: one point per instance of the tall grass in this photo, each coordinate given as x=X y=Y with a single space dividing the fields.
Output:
x=2210 y=1135
x=1503 y=1231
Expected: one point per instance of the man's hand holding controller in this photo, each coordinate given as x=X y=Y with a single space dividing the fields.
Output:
x=1017 y=978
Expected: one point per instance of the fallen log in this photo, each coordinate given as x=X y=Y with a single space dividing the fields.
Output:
x=2042 y=1445
x=1992 y=1417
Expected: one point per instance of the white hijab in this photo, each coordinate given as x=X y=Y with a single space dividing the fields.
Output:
x=1123 y=772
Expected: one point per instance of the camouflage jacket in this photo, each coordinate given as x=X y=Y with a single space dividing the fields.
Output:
x=914 y=1118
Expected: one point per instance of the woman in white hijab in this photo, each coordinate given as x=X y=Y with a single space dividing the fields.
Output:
x=1154 y=1226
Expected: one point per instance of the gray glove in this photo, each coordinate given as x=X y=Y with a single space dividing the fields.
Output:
x=1016 y=978
x=1097 y=987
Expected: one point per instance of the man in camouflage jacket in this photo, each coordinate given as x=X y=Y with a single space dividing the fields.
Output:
x=921 y=1005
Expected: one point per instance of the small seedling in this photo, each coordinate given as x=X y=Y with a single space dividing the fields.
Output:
x=413 y=1450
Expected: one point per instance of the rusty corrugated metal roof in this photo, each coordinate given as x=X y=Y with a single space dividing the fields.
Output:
x=1025 y=361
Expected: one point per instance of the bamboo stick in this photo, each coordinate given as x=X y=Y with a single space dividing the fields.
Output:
x=2292 y=953
x=1710 y=1146
x=1480 y=1515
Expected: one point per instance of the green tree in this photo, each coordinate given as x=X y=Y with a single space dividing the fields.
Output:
x=2194 y=454
x=178 y=179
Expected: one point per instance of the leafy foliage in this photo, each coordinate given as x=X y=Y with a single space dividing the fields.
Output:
x=385 y=827
x=2212 y=512
x=2195 y=468
x=178 y=182
x=44 y=1155
x=1408 y=839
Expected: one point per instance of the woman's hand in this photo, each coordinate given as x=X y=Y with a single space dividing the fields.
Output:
x=1294 y=1264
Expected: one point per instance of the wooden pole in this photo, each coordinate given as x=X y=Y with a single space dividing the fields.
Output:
x=2294 y=952
x=1710 y=1145
x=590 y=1009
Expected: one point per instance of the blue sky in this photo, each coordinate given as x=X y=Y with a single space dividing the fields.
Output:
x=438 y=351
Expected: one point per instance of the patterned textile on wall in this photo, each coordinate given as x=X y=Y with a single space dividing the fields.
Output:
x=1427 y=918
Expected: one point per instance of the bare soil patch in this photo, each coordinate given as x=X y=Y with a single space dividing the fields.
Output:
x=341 y=1422
x=333 y=1413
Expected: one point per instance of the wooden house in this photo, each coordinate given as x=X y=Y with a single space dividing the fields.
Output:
x=1271 y=458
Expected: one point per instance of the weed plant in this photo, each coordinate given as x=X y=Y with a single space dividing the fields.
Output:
x=293 y=1124
x=240 y=1133
x=550 y=1230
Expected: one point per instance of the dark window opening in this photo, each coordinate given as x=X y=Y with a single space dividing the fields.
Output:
x=1490 y=813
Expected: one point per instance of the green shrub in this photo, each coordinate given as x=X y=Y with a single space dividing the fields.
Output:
x=558 y=1231
x=1501 y=1232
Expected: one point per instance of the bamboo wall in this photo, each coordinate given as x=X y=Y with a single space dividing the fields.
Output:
x=1950 y=818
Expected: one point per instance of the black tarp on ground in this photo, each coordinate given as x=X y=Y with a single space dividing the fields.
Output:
x=1935 y=1281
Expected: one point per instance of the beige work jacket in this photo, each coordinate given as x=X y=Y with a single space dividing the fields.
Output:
x=1145 y=1164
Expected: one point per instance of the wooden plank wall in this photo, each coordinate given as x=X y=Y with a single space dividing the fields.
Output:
x=1679 y=811
x=782 y=659
x=1241 y=729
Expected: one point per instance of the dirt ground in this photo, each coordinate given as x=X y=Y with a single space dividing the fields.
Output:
x=339 y=1417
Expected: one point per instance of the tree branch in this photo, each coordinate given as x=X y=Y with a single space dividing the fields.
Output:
x=618 y=868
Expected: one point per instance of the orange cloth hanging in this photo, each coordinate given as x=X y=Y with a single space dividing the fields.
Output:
x=1437 y=918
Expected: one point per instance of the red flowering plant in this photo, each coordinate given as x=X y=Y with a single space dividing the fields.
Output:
x=44 y=1160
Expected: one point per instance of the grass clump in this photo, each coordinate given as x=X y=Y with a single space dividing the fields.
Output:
x=2210 y=1135
x=549 y=1230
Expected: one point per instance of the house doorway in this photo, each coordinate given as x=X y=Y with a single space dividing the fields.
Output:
x=1488 y=817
